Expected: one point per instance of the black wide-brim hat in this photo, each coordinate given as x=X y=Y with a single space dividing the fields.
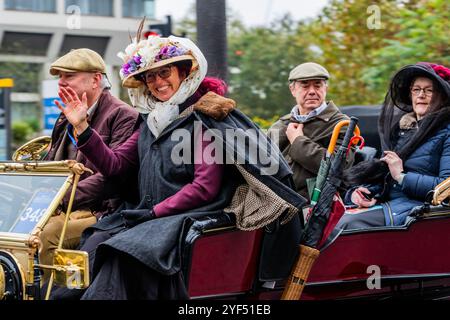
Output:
x=402 y=80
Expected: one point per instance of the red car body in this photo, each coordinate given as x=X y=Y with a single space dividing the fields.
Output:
x=378 y=263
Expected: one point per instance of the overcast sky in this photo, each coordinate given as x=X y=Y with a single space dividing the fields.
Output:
x=252 y=12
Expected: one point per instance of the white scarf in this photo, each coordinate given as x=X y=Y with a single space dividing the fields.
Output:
x=161 y=114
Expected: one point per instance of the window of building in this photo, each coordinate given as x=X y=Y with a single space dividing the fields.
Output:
x=31 y=5
x=24 y=43
x=138 y=8
x=94 y=8
x=98 y=44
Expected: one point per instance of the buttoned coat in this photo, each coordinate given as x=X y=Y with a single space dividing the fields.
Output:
x=306 y=152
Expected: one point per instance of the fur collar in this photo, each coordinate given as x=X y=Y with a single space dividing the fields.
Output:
x=408 y=121
x=214 y=105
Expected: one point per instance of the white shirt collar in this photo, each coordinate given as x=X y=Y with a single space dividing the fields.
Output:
x=92 y=108
x=303 y=118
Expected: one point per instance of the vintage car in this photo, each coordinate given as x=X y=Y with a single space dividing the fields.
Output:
x=220 y=261
x=30 y=192
x=377 y=263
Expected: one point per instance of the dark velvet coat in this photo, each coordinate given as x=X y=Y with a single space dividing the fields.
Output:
x=114 y=121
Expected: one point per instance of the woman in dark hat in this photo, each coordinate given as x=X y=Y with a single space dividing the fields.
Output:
x=414 y=127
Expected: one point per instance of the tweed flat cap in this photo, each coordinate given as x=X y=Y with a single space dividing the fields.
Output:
x=308 y=71
x=79 y=60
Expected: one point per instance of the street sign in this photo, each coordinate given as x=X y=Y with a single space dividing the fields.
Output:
x=51 y=111
x=5 y=112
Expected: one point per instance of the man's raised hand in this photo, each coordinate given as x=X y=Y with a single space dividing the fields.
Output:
x=74 y=109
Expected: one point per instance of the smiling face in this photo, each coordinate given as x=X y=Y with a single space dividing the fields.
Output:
x=164 y=82
x=421 y=95
x=309 y=94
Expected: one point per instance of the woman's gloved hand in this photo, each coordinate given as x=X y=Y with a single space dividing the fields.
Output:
x=134 y=217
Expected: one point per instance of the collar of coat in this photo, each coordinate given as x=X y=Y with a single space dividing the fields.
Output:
x=408 y=121
x=212 y=105
x=325 y=115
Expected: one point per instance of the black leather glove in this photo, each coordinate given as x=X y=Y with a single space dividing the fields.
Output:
x=134 y=217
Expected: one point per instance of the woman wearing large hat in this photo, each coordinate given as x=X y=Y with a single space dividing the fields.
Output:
x=414 y=128
x=140 y=258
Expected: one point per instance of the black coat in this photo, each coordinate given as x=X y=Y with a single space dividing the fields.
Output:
x=157 y=243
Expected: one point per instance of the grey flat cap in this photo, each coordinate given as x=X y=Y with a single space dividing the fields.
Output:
x=79 y=60
x=308 y=71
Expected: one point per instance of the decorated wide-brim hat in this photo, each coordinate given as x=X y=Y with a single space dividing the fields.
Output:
x=403 y=79
x=149 y=54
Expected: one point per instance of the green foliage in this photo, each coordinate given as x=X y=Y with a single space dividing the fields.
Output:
x=347 y=41
x=34 y=124
x=265 y=123
x=259 y=61
x=361 y=57
x=423 y=36
x=21 y=130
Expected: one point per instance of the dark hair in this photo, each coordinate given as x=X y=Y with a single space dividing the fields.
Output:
x=184 y=67
x=438 y=100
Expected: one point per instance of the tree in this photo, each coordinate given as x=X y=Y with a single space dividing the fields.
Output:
x=260 y=60
x=344 y=38
x=423 y=36
x=362 y=43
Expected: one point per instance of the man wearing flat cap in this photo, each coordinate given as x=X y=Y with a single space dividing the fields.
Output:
x=304 y=134
x=82 y=74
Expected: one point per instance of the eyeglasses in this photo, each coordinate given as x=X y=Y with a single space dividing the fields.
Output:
x=163 y=73
x=416 y=91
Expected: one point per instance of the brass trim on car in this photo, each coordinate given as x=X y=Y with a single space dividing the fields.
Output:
x=23 y=247
x=2 y=282
x=32 y=149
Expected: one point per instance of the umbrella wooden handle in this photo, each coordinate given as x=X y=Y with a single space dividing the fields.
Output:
x=335 y=135
x=300 y=272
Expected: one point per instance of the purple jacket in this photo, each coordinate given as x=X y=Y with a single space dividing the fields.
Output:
x=114 y=121
x=108 y=162
x=124 y=159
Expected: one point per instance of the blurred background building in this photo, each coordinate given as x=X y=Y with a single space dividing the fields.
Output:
x=33 y=33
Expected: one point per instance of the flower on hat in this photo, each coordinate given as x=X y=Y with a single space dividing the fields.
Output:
x=147 y=52
x=440 y=70
x=169 y=51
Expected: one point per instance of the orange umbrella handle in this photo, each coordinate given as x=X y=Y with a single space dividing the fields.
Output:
x=335 y=135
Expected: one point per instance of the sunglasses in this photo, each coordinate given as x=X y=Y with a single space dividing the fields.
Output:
x=164 y=73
